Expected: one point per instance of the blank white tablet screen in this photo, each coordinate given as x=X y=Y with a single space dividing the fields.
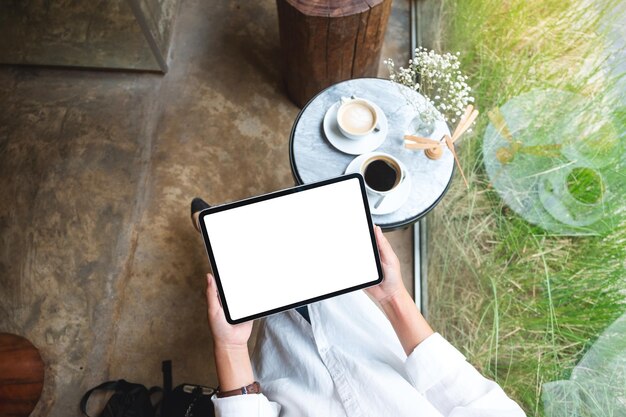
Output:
x=285 y=250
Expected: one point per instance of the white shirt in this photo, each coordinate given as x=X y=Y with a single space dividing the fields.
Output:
x=349 y=362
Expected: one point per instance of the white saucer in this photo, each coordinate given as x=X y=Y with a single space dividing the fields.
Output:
x=351 y=146
x=394 y=200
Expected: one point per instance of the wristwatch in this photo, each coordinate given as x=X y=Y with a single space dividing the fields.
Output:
x=254 y=388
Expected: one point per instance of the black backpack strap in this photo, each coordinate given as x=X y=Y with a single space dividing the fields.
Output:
x=166 y=368
x=109 y=385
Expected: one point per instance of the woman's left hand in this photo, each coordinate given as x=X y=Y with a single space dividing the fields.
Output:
x=392 y=284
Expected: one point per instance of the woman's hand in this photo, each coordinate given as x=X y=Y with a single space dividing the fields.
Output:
x=230 y=344
x=392 y=284
x=224 y=333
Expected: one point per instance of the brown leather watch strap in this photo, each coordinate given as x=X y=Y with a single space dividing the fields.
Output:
x=254 y=388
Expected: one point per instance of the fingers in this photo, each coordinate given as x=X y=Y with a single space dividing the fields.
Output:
x=211 y=294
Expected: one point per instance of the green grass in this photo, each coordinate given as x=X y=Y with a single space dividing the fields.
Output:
x=524 y=305
x=585 y=185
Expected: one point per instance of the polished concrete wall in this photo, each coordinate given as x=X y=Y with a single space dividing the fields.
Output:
x=99 y=265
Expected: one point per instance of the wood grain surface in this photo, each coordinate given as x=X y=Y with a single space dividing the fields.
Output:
x=21 y=376
x=324 y=42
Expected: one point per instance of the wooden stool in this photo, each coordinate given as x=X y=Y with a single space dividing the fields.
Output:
x=21 y=376
x=327 y=41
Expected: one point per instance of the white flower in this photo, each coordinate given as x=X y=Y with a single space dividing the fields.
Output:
x=441 y=82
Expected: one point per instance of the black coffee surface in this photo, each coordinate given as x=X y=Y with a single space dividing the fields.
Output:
x=380 y=175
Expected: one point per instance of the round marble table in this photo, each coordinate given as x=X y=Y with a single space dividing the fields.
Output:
x=313 y=158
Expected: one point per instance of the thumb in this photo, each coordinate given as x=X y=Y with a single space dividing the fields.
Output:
x=387 y=255
x=384 y=248
x=211 y=294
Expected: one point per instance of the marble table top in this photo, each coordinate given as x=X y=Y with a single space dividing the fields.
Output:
x=314 y=159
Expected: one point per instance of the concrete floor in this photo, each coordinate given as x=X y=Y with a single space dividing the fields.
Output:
x=99 y=265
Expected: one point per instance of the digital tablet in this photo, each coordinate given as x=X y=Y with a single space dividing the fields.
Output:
x=292 y=247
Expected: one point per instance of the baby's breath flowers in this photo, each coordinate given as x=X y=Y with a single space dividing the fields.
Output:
x=439 y=79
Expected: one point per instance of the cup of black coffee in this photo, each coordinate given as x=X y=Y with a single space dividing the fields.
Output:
x=382 y=173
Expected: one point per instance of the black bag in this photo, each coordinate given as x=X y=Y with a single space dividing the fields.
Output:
x=128 y=400
x=133 y=400
x=186 y=400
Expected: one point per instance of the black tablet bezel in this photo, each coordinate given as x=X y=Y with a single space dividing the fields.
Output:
x=277 y=194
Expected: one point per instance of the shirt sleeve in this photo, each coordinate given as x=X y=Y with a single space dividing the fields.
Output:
x=454 y=387
x=251 y=405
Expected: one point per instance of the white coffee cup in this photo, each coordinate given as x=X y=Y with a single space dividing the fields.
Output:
x=356 y=117
x=383 y=174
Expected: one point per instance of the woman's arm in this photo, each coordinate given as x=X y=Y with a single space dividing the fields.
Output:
x=436 y=369
x=408 y=323
x=232 y=361
x=233 y=367
x=396 y=302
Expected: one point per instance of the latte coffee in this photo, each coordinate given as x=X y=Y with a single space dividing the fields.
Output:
x=356 y=118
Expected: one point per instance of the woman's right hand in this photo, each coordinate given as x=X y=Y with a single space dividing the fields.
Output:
x=224 y=334
x=230 y=344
